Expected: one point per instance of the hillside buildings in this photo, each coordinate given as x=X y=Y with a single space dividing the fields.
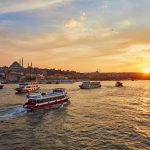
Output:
x=17 y=73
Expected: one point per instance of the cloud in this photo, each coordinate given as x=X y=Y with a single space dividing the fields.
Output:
x=125 y=24
x=49 y=32
x=8 y=6
x=72 y=23
x=82 y=16
x=62 y=42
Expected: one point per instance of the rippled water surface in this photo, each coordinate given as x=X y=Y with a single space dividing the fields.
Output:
x=107 y=118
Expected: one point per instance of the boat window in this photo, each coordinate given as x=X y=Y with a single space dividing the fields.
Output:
x=43 y=94
x=60 y=97
x=54 y=98
x=46 y=100
x=39 y=101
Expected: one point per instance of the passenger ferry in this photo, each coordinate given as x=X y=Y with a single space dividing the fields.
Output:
x=90 y=85
x=27 y=87
x=57 y=97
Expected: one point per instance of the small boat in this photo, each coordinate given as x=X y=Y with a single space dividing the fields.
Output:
x=57 y=97
x=1 y=85
x=27 y=87
x=90 y=85
x=119 y=84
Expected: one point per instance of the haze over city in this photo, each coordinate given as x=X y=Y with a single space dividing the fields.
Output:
x=80 y=35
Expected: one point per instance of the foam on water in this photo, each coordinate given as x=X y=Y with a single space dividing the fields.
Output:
x=11 y=112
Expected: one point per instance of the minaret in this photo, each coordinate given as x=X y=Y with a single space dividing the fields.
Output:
x=31 y=64
x=22 y=61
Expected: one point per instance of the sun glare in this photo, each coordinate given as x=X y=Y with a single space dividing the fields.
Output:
x=146 y=70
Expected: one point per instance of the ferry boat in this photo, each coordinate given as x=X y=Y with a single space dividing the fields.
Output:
x=27 y=87
x=1 y=85
x=57 y=97
x=90 y=85
x=119 y=84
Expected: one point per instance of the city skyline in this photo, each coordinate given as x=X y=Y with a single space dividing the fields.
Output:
x=77 y=35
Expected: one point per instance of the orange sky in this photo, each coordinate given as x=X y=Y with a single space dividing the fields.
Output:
x=76 y=35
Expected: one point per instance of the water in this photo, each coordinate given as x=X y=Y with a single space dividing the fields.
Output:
x=108 y=118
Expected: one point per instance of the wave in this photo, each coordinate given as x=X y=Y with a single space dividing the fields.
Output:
x=11 y=112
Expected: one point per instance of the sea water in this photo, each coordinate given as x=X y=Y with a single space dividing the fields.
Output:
x=108 y=118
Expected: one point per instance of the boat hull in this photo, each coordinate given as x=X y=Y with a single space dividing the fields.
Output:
x=86 y=87
x=118 y=85
x=46 y=105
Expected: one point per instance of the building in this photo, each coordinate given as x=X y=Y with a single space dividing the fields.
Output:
x=15 y=67
x=15 y=72
x=2 y=74
x=13 y=77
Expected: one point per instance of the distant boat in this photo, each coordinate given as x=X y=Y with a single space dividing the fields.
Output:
x=1 y=85
x=90 y=85
x=119 y=84
x=27 y=87
x=43 y=100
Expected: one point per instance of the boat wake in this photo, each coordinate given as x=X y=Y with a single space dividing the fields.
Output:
x=11 y=112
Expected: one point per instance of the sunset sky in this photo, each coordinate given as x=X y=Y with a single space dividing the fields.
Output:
x=80 y=35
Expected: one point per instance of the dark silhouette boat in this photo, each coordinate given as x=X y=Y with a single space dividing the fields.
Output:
x=119 y=84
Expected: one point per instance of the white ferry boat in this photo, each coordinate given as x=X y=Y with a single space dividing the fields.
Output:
x=27 y=87
x=90 y=85
x=45 y=100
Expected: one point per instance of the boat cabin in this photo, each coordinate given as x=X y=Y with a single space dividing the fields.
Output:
x=42 y=98
x=59 y=90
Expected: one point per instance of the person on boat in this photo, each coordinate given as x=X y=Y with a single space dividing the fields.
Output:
x=28 y=93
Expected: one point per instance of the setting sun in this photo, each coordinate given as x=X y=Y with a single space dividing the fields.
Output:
x=146 y=70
